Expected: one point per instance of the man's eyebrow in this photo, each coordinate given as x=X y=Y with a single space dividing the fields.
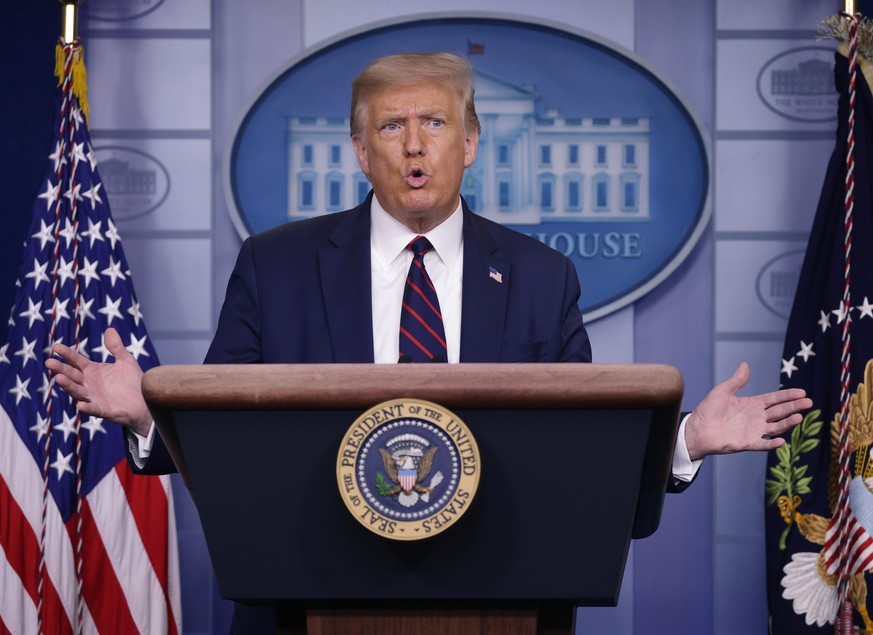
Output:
x=390 y=117
x=436 y=113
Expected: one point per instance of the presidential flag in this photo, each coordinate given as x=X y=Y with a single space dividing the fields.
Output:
x=819 y=514
x=85 y=546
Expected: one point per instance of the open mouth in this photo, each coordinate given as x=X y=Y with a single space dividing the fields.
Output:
x=416 y=177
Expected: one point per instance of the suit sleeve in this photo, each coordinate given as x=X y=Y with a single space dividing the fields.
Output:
x=675 y=486
x=575 y=345
x=159 y=460
x=236 y=341
x=237 y=338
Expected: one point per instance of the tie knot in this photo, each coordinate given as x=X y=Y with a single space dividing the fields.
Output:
x=419 y=246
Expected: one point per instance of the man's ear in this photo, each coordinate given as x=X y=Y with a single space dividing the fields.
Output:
x=361 y=154
x=471 y=147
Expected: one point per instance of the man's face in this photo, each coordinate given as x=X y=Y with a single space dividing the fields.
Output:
x=414 y=146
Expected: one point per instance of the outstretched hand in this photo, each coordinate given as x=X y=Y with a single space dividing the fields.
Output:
x=723 y=423
x=110 y=391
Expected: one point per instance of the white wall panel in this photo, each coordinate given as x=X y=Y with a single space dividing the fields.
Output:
x=181 y=198
x=745 y=74
x=181 y=351
x=739 y=504
x=739 y=478
x=149 y=83
x=612 y=338
x=766 y=185
x=172 y=289
x=774 y=14
x=613 y=20
x=147 y=14
x=740 y=604
x=763 y=358
x=755 y=280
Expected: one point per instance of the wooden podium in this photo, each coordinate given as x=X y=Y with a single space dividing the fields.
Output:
x=575 y=463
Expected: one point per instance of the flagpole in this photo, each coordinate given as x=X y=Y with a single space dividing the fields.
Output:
x=70 y=19
x=70 y=72
x=846 y=550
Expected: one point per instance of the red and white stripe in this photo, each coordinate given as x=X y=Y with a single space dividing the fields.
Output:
x=407 y=480
x=839 y=544
x=859 y=549
x=130 y=573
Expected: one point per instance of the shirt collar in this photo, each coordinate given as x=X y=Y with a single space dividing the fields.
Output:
x=389 y=237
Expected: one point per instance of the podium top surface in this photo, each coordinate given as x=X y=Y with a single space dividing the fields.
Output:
x=278 y=386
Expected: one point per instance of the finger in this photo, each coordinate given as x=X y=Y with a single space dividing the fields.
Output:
x=114 y=344
x=738 y=379
x=782 y=410
x=85 y=407
x=75 y=390
x=771 y=444
x=782 y=396
x=69 y=355
x=784 y=425
x=60 y=368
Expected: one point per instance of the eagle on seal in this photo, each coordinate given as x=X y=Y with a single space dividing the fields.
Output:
x=401 y=471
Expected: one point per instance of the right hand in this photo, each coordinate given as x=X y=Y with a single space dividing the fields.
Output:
x=110 y=391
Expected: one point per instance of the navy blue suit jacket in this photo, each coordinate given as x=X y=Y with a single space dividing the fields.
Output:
x=301 y=293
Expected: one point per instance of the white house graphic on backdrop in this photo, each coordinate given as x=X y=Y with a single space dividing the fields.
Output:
x=530 y=168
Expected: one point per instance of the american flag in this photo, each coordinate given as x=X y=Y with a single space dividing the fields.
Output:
x=475 y=48
x=85 y=546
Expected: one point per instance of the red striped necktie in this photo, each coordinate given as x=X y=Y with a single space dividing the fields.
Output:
x=422 y=336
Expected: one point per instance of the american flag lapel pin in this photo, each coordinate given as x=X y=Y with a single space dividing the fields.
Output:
x=495 y=275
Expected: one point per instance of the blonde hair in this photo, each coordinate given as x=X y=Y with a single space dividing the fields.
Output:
x=409 y=69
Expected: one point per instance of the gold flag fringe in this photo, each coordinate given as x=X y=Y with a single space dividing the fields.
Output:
x=836 y=28
x=79 y=79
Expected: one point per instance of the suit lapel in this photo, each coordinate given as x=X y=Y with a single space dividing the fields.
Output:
x=344 y=268
x=483 y=305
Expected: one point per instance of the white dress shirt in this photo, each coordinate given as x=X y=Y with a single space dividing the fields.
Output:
x=389 y=266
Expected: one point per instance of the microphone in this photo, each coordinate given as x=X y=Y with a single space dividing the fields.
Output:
x=404 y=359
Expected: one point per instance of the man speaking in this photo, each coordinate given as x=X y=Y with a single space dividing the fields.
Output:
x=410 y=275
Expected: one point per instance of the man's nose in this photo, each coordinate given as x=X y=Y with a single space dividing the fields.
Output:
x=414 y=143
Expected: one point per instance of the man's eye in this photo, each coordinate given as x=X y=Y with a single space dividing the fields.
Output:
x=392 y=127
x=436 y=123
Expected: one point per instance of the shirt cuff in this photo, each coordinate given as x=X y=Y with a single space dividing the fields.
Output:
x=140 y=447
x=684 y=469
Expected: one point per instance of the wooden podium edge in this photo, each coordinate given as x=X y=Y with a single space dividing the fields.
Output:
x=318 y=386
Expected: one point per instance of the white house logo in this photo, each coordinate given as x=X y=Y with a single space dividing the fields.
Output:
x=120 y=10
x=799 y=84
x=777 y=282
x=136 y=182
x=617 y=179
x=408 y=469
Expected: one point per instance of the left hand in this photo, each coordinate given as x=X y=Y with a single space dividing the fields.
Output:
x=723 y=423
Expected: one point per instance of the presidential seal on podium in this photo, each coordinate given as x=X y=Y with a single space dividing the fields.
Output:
x=408 y=469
